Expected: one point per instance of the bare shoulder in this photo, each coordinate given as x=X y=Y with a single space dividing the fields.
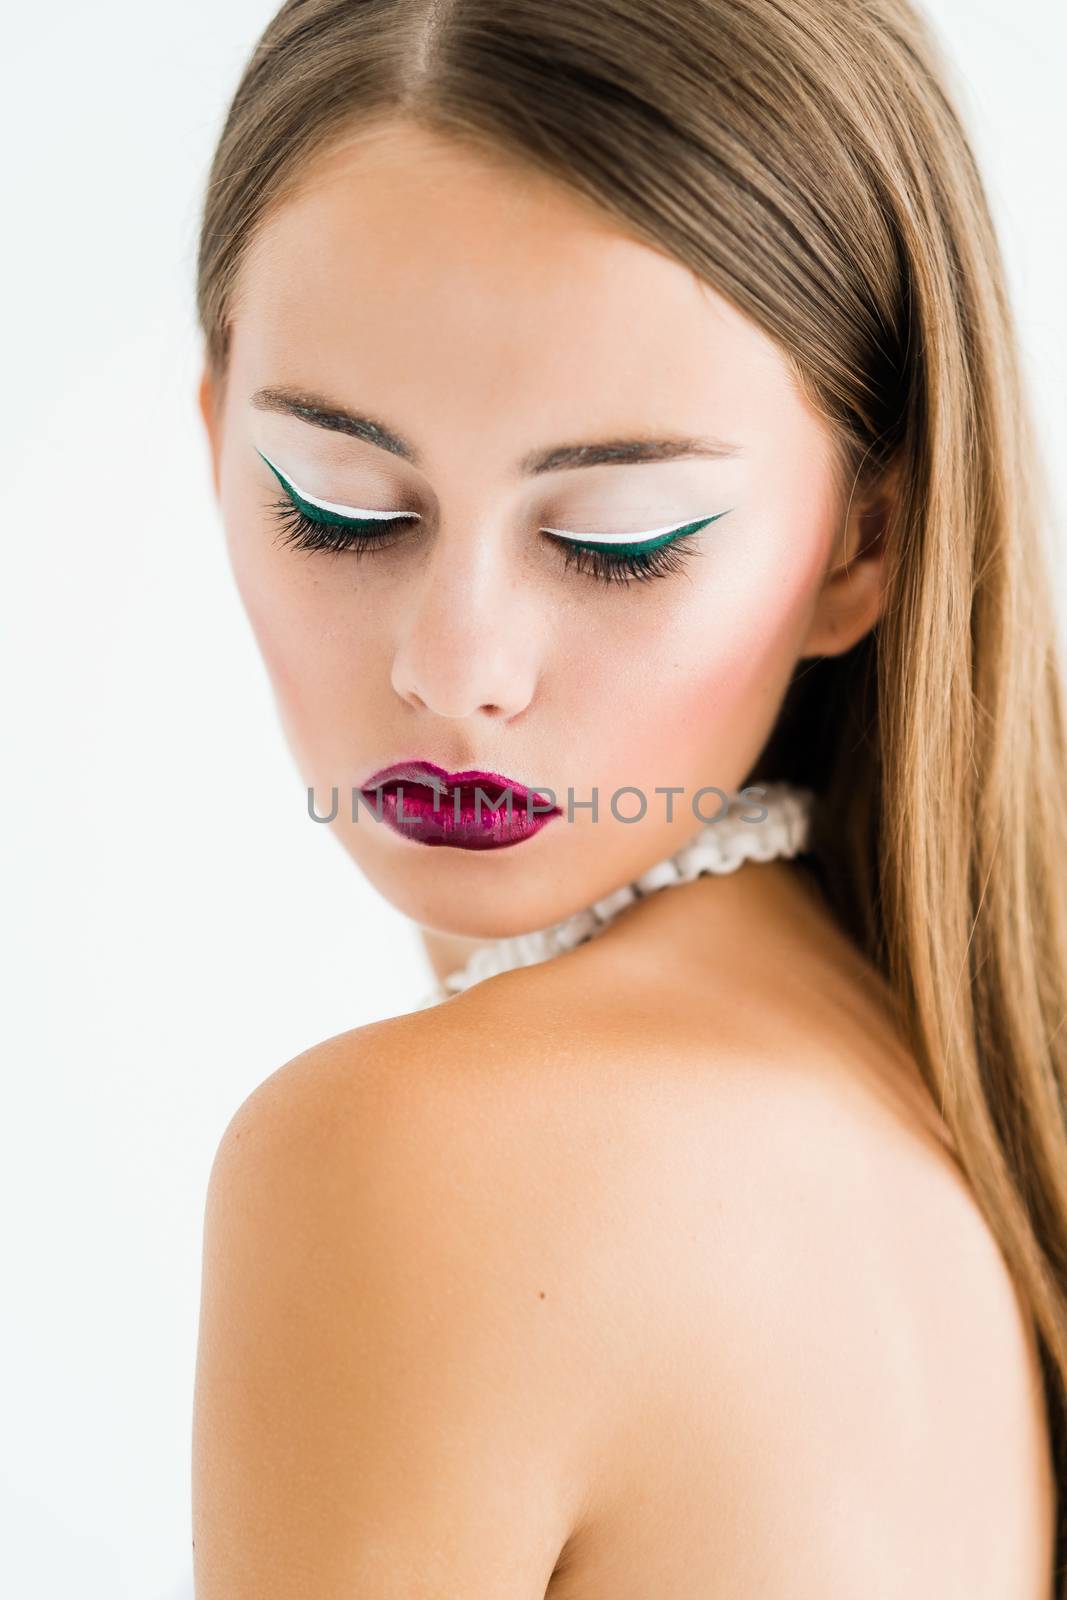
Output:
x=743 y=1285
x=818 y=1315
x=410 y=1355
x=397 y=1388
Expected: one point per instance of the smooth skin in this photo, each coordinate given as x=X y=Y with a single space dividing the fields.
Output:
x=648 y=1271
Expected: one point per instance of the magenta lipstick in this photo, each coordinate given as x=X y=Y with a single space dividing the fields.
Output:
x=471 y=810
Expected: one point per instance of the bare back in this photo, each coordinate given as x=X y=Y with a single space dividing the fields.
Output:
x=822 y=1360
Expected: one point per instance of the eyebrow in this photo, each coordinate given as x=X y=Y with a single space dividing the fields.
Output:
x=322 y=413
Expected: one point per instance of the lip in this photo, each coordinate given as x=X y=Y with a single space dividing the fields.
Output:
x=448 y=811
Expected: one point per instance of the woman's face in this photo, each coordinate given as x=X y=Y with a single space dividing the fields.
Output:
x=512 y=348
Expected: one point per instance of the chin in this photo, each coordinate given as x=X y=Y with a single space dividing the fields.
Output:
x=472 y=894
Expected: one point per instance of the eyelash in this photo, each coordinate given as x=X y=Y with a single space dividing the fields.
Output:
x=633 y=566
x=301 y=533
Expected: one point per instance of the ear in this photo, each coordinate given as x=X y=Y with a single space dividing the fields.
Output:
x=208 y=402
x=852 y=594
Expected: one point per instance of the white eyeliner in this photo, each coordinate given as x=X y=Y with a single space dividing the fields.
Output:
x=331 y=505
x=620 y=538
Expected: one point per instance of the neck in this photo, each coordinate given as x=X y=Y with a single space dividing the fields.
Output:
x=458 y=961
x=447 y=952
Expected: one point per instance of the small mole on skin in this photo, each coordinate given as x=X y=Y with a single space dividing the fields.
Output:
x=540 y=1294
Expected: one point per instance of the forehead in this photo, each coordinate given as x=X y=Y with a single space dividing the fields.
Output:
x=404 y=264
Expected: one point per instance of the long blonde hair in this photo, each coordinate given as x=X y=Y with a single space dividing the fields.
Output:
x=804 y=158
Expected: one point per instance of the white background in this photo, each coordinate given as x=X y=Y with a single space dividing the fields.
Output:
x=176 y=928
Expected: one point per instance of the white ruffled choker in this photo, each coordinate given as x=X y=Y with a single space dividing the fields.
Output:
x=718 y=847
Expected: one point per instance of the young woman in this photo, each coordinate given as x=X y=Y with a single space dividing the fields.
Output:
x=615 y=408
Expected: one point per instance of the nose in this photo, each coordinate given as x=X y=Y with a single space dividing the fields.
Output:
x=470 y=634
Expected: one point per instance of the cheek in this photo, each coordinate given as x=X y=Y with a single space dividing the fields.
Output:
x=705 y=678
x=313 y=635
x=752 y=629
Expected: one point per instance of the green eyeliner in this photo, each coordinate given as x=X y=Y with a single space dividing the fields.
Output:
x=647 y=545
x=327 y=515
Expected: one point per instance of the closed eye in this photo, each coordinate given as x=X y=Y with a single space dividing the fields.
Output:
x=329 y=511
x=311 y=523
x=631 y=544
